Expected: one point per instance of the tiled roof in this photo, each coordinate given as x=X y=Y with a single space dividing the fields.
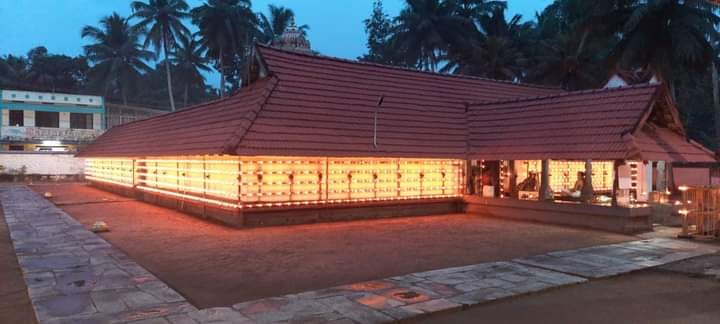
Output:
x=661 y=144
x=596 y=124
x=209 y=128
x=317 y=106
x=326 y=106
x=320 y=106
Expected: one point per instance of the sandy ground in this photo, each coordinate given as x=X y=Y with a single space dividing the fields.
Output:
x=213 y=265
x=651 y=296
x=15 y=304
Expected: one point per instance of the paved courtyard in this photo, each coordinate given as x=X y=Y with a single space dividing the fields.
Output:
x=213 y=265
x=646 y=297
x=75 y=276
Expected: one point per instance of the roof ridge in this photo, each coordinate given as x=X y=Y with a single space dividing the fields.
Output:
x=231 y=145
x=406 y=69
x=564 y=94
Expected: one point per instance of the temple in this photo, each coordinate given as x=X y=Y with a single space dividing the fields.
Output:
x=314 y=138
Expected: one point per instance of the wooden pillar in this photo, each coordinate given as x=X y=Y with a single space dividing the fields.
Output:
x=512 y=179
x=661 y=182
x=545 y=190
x=587 y=189
x=670 y=176
x=470 y=177
x=616 y=181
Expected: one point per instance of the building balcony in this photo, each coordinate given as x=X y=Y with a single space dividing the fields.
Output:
x=69 y=135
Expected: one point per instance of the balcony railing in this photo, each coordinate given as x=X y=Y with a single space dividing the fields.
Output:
x=46 y=133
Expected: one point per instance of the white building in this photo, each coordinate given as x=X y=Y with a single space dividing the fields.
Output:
x=40 y=121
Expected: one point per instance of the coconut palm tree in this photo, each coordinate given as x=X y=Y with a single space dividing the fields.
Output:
x=116 y=52
x=496 y=53
x=558 y=62
x=272 y=26
x=189 y=58
x=162 y=22
x=226 y=29
x=427 y=29
x=667 y=35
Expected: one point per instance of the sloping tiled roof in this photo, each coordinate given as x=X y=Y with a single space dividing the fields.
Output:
x=317 y=106
x=320 y=106
x=204 y=129
x=326 y=106
x=661 y=144
x=596 y=124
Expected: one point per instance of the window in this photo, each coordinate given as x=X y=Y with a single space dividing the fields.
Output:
x=16 y=118
x=47 y=119
x=81 y=121
x=16 y=148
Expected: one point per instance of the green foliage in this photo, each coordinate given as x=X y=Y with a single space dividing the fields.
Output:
x=117 y=54
x=272 y=26
x=226 y=28
x=572 y=44
x=379 y=28
x=161 y=22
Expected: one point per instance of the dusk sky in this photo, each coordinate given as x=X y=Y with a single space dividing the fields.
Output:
x=336 y=27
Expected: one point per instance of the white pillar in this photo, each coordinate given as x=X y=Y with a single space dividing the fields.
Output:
x=29 y=118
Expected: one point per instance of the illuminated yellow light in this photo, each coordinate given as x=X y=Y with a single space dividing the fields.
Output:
x=108 y=181
x=279 y=181
x=683 y=188
x=175 y=194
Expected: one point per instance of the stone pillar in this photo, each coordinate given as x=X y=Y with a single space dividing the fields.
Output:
x=545 y=191
x=587 y=189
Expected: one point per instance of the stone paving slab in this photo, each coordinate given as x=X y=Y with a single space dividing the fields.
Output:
x=74 y=276
x=610 y=260
x=404 y=297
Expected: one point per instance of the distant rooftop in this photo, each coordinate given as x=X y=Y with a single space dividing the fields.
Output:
x=50 y=98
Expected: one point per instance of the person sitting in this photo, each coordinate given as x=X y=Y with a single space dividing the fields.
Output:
x=576 y=190
x=530 y=183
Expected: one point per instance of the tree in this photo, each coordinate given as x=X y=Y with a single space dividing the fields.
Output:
x=571 y=41
x=52 y=72
x=270 y=28
x=559 y=63
x=475 y=9
x=496 y=53
x=426 y=29
x=189 y=58
x=13 y=71
x=162 y=22
x=116 y=52
x=668 y=36
x=379 y=28
x=226 y=27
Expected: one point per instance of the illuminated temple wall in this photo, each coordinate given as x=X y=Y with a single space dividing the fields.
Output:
x=283 y=181
x=563 y=174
